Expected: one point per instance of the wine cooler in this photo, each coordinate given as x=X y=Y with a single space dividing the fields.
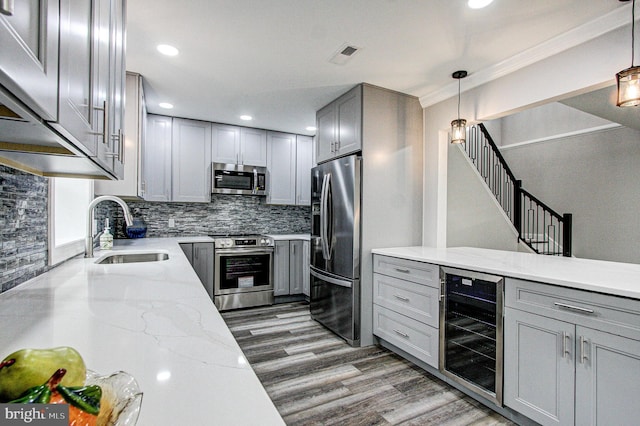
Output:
x=471 y=331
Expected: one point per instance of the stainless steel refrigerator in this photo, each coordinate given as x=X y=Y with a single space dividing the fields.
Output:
x=335 y=246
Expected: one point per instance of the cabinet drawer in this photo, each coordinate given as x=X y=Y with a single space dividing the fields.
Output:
x=414 y=337
x=615 y=314
x=414 y=300
x=419 y=272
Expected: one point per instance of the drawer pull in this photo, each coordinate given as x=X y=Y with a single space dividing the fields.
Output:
x=574 y=308
x=405 y=335
x=404 y=271
x=404 y=299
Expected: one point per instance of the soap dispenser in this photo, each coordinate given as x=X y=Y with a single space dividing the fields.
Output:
x=106 y=239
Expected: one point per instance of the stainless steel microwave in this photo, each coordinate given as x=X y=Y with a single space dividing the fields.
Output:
x=238 y=179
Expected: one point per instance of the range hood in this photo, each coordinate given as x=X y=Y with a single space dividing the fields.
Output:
x=29 y=144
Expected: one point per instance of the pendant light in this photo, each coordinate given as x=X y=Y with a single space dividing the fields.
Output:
x=459 y=126
x=629 y=79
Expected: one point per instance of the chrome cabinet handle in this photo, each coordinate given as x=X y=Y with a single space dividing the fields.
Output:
x=405 y=335
x=105 y=124
x=6 y=7
x=404 y=299
x=404 y=271
x=583 y=356
x=574 y=308
x=566 y=342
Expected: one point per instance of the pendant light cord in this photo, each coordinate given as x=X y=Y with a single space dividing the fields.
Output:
x=459 y=94
x=633 y=30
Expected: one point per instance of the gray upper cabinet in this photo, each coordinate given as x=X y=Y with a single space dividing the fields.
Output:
x=156 y=159
x=191 y=161
x=281 y=166
x=131 y=185
x=239 y=145
x=304 y=163
x=91 y=78
x=339 y=126
x=29 y=60
x=253 y=147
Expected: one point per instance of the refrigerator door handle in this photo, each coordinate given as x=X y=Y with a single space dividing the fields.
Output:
x=330 y=280
x=324 y=219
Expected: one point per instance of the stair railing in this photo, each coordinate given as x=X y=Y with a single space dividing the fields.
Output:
x=538 y=226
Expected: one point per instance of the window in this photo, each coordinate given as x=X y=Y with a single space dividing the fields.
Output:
x=69 y=200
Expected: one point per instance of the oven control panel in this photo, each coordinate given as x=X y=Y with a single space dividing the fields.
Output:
x=243 y=242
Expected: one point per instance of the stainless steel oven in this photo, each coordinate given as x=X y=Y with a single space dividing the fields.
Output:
x=243 y=272
x=471 y=341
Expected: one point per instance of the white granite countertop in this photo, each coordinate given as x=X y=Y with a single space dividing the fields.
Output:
x=281 y=237
x=153 y=320
x=620 y=279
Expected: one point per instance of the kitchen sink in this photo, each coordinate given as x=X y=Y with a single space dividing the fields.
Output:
x=131 y=257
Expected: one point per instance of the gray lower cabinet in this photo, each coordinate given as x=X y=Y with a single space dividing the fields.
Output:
x=200 y=255
x=406 y=297
x=571 y=357
x=288 y=268
x=306 y=270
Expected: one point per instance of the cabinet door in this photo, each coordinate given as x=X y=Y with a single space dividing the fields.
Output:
x=306 y=270
x=253 y=147
x=281 y=175
x=203 y=265
x=29 y=60
x=117 y=77
x=133 y=137
x=304 y=163
x=187 y=249
x=191 y=160
x=325 y=133
x=225 y=143
x=296 y=259
x=607 y=378
x=156 y=158
x=539 y=369
x=281 y=268
x=349 y=122
x=78 y=103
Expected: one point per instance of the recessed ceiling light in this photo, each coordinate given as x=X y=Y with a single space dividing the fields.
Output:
x=478 y=4
x=311 y=128
x=246 y=117
x=168 y=50
x=165 y=105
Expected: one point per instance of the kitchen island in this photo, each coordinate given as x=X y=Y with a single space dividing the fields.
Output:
x=558 y=338
x=153 y=320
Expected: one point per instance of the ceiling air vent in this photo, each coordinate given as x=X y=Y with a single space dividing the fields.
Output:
x=344 y=54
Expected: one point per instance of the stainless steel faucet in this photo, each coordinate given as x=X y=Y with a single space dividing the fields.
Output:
x=88 y=242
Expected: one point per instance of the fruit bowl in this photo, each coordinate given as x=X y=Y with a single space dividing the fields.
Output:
x=121 y=398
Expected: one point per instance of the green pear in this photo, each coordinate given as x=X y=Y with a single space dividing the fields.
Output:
x=27 y=368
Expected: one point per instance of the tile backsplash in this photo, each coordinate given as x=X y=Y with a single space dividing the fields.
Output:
x=23 y=226
x=224 y=214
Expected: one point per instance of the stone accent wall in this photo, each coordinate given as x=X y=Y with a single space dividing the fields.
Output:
x=23 y=226
x=224 y=214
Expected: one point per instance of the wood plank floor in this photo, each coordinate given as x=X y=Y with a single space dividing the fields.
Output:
x=315 y=378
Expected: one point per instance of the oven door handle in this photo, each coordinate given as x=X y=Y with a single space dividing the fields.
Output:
x=243 y=251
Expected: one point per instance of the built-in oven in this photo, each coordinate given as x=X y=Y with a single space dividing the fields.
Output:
x=243 y=272
x=471 y=339
x=238 y=179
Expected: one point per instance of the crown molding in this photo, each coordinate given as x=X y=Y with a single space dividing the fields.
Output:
x=575 y=37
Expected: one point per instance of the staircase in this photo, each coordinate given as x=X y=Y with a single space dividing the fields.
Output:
x=539 y=227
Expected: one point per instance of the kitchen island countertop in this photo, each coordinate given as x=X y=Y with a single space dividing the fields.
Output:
x=282 y=237
x=619 y=279
x=153 y=320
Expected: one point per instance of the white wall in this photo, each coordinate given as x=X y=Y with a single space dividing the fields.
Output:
x=595 y=177
x=577 y=70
